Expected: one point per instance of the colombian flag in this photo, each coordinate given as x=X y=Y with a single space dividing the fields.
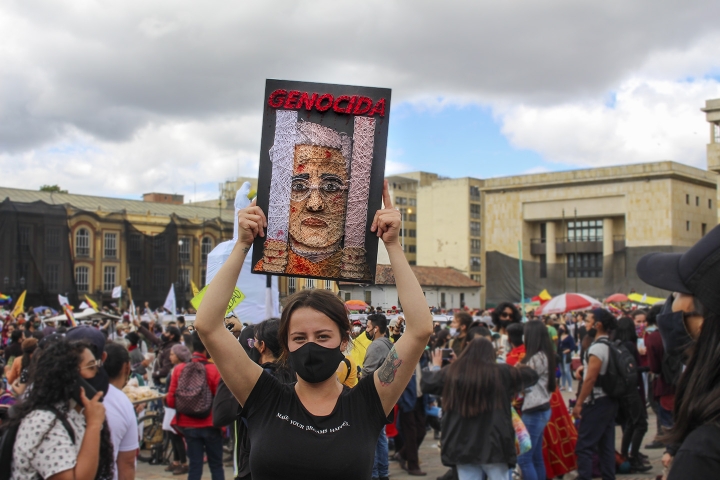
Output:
x=543 y=297
x=91 y=303
x=69 y=315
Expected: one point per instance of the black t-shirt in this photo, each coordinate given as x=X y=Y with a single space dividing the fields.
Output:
x=290 y=442
x=699 y=455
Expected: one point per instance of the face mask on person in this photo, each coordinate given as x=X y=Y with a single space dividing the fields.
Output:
x=100 y=382
x=453 y=332
x=315 y=363
x=370 y=336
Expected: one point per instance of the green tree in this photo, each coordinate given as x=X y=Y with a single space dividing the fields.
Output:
x=52 y=188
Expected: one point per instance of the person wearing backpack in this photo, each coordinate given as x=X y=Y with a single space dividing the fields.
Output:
x=595 y=408
x=192 y=389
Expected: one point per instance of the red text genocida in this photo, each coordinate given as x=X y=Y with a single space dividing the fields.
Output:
x=355 y=105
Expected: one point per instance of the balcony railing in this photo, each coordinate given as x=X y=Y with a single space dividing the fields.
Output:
x=570 y=245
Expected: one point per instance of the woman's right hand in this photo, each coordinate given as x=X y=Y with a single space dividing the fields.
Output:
x=94 y=410
x=251 y=223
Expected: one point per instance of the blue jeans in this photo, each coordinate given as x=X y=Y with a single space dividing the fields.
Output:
x=531 y=462
x=566 y=378
x=208 y=441
x=489 y=471
x=380 y=465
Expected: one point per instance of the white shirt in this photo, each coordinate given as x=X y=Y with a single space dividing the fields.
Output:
x=121 y=419
x=43 y=446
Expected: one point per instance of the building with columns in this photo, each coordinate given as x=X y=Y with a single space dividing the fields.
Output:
x=712 y=115
x=585 y=230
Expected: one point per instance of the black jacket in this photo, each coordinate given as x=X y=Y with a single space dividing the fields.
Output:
x=488 y=437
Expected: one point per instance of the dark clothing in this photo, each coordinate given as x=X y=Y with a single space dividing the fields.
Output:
x=488 y=437
x=699 y=455
x=635 y=425
x=597 y=431
x=458 y=345
x=163 y=365
x=178 y=445
x=204 y=441
x=290 y=442
x=412 y=427
x=655 y=352
x=13 y=350
x=568 y=343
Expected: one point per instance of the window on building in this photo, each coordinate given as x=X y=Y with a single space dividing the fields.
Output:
x=206 y=247
x=687 y=225
x=347 y=296
x=412 y=202
x=110 y=245
x=474 y=193
x=474 y=210
x=585 y=231
x=403 y=214
x=412 y=217
x=687 y=198
x=52 y=241
x=368 y=297
x=109 y=278
x=543 y=266
x=401 y=233
x=310 y=283
x=474 y=245
x=412 y=249
x=475 y=277
x=24 y=234
x=82 y=279
x=292 y=285
x=135 y=246
x=52 y=277
x=475 y=264
x=159 y=247
x=82 y=242
x=588 y=265
x=184 y=277
x=412 y=233
x=697 y=201
x=203 y=277
x=159 y=278
x=710 y=203
x=462 y=300
x=716 y=133
x=442 y=300
x=475 y=229
x=412 y=262
x=136 y=277
x=328 y=284
x=184 y=246
x=703 y=229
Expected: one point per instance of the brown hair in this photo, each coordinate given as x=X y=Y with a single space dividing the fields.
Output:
x=319 y=300
x=464 y=318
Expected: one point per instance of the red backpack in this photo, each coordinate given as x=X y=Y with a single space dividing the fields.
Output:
x=193 y=396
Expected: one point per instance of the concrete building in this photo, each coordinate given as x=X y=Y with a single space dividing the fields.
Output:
x=585 y=230
x=712 y=115
x=443 y=287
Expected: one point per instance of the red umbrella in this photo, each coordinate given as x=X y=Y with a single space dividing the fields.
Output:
x=568 y=302
x=356 y=304
x=617 y=298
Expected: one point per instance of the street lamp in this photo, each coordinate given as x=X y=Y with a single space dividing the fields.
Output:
x=181 y=280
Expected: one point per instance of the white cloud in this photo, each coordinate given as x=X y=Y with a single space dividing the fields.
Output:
x=649 y=121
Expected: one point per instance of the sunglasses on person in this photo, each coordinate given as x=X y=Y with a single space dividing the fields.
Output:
x=94 y=365
x=505 y=315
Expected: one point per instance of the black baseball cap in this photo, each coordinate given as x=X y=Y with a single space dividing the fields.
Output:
x=89 y=334
x=695 y=272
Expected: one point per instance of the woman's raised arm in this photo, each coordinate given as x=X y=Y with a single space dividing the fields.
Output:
x=238 y=371
x=394 y=374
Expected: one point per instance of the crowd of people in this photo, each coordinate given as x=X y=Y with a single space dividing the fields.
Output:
x=312 y=395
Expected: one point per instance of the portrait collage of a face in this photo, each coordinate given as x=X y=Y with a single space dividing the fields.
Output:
x=322 y=164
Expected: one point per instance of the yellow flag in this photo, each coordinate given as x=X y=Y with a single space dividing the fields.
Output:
x=20 y=305
x=92 y=303
x=545 y=295
x=194 y=288
x=235 y=300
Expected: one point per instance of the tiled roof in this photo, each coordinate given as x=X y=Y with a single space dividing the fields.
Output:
x=428 y=277
x=107 y=204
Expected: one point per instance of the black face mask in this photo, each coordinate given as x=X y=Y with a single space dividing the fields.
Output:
x=504 y=324
x=100 y=382
x=315 y=363
x=370 y=337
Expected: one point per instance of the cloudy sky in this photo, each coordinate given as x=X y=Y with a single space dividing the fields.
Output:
x=121 y=98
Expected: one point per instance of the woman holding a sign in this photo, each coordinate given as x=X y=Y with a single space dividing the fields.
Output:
x=314 y=428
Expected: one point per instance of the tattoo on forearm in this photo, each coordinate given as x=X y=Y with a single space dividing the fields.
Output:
x=246 y=250
x=387 y=371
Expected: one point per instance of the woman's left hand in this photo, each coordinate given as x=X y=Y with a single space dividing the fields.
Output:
x=388 y=220
x=437 y=357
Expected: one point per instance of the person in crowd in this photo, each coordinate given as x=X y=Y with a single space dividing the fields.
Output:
x=566 y=349
x=169 y=339
x=477 y=432
x=340 y=427
x=459 y=327
x=360 y=343
x=639 y=318
x=580 y=329
x=479 y=331
x=632 y=406
x=690 y=328
x=411 y=409
x=551 y=323
x=515 y=333
x=376 y=354
x=120 y=412
x=14 y=348
x=20 y=366
x=594 y=408
x=503 y=315
x=201 y=436
x=441 y=338
x=395 y=329
x=540 y=356
x=58 y=437
x=663 y=389
x=136 y=355
x=179 y=354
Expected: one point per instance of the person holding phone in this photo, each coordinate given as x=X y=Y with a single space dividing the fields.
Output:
x=315 y=428
x=62 y=433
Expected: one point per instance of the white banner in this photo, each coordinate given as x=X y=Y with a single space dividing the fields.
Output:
x=117 y=292
x=63 y=300
x=170 y=301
